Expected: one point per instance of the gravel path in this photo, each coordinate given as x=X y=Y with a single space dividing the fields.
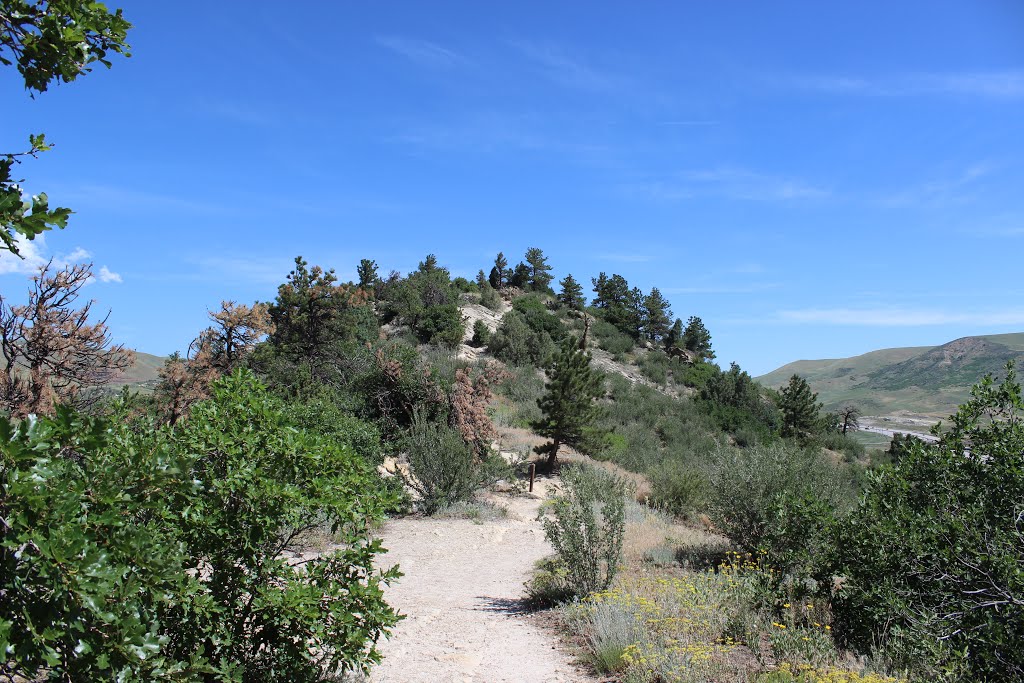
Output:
x=460 y=594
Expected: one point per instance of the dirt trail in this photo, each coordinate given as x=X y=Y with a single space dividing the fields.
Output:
x=460 y=594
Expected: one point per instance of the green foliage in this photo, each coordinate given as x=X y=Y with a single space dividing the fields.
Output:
x=697 y=339
x=366 y=271
x=481 y=334
x=323 y=415
x=657 y=316
x=932 y=556
x=58 y=41
x=134 y=554
x=618 y=304
x=489 y=297
x=520 y=276
x=517 y=343
x=801 y=412
x=571 y=294
x=586 y=526
x=736 y=402
x=549 y=584
x=568 y=405
x=442 y=325
x=254 y=614
x=678 y=488
x=540 y=272
x=444 y=471
x=86 y=551
x=746 y=486
x=393 y=384
x=499 y=272
x=536 y=314
x=611 y=339
x=316 y=322
x=426 y=301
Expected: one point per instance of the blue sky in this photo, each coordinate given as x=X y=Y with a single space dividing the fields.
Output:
x=812 y=179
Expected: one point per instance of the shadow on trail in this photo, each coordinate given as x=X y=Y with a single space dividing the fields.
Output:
x=507 y=606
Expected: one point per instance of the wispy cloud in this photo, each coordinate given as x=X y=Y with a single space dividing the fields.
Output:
x=257 y=270
x=422 y=52
x=1004 y=84
x=244 y=113
x=733 y=183
x=119 y=198
x=900 y=317
x=954 y=189
x=558 y=65
x=35 y=254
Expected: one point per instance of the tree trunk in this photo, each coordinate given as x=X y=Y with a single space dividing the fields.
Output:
x=553 y=454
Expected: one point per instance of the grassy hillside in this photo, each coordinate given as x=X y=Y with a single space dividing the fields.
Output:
x=143 y=373
x=927 y=380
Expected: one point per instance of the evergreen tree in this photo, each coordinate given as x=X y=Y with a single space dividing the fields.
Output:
x=571 y=295
x=367 y=272
x=520 y=276
x=481 y=279
x=656 y=315
x=568 y=404
x=801 y=412
x=499 y=273
x=540 y=271
x=428 y=265
x=675 y=335
x=697 y=339
x=631 y=320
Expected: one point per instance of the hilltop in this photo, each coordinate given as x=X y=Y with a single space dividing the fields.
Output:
x=928 y=380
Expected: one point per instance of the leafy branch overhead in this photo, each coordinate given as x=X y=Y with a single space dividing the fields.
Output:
x=53 y=41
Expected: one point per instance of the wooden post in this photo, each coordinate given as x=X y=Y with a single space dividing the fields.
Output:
x=533 y=471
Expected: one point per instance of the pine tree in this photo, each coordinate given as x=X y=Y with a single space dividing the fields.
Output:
x=657 y=314
x=675 y=335
x=520 y=276
x=540 y=271
x=697 y=339
x=571 y=295
x=367 y=273
x=499 y=273
x=568 y=404
x=801 y=412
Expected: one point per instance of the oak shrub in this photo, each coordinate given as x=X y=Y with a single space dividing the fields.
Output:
x=160 y=554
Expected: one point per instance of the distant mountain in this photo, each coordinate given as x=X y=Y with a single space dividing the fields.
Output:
x=142 y=374
x=930 y=380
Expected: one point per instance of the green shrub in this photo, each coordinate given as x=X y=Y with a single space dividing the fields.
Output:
x=481 y=334
x=139 y=555
x=444 y=470
x=747 y=484
x=932 y=555
x=678 y=489
x=441 y=325
x=87 y=550
x=516 y=343
x=654 y=366
x=549 y=584
x=252 y=613
x=586 y=525
x=611 y=339
x=842 y=443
